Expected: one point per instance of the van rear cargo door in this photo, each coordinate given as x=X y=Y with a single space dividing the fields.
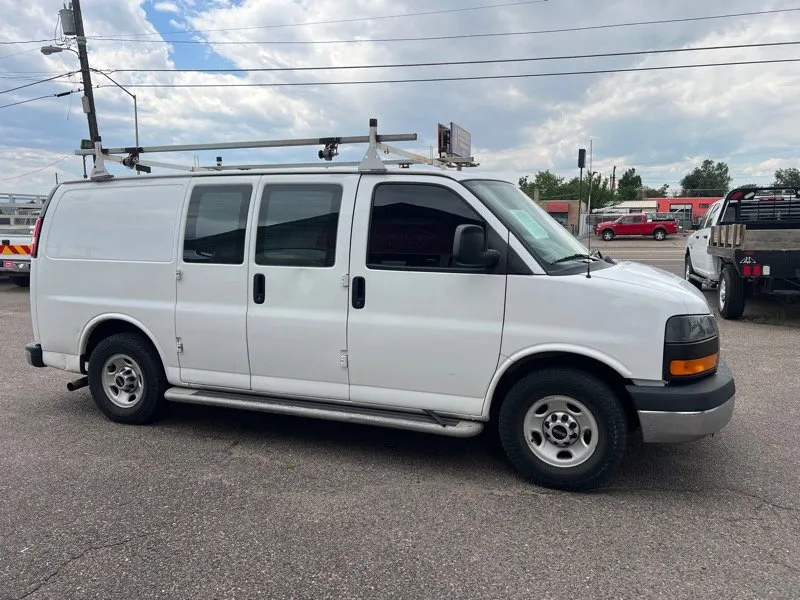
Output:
x=211 y=308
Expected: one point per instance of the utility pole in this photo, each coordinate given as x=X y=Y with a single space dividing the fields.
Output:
x=613 y=180
x=88 y=107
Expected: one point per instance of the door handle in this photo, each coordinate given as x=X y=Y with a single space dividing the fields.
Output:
x=259 y=288
x=359 y=292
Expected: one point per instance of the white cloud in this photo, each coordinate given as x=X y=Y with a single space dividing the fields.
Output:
x=661 y=122
x=169 y=7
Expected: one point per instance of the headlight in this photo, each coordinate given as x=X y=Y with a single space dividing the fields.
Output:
x=690 y=328
x=691 y=347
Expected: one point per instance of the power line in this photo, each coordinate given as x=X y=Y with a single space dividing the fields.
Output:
x=459 y=62
x=28 y=51
x=58 y=95
x=467 y=78
x=10 y=43
x=37 y=82
x=451 y=37
x=336 y=21
x=65 y=157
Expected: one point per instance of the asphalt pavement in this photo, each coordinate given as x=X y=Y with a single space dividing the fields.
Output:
x=214 y=503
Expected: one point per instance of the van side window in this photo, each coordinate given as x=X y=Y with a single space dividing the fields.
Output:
x=216 y=224
x=297 y=225
x=412 y=226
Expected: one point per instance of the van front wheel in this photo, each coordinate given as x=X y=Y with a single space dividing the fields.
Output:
x=563 y=429
x=126 y=379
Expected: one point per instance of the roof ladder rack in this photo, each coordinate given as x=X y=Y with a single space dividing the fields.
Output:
x=372 y=162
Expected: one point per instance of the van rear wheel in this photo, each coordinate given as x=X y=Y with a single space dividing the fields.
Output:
x=126 y=379
x=563 y=429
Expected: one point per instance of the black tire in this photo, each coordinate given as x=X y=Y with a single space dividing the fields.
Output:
x=20 y=281
x=140 y=352
x=660 y=235
x=730 y=294
x=602 y=404
x=607 y=235
x=688 y=270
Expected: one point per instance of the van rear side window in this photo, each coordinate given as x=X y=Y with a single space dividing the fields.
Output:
x=216 y=224
x=297 y=225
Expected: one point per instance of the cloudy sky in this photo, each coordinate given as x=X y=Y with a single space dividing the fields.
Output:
x=663 y=122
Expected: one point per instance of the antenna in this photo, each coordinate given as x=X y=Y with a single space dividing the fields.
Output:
x=589 y=212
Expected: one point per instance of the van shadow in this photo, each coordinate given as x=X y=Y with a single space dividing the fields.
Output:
x=478 y=460
x=647 y=467
x=481 y=455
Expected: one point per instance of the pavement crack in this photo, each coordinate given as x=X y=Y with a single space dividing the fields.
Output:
x=759 y=498
x=47 y=580
x=731 y=490
x=787 y=566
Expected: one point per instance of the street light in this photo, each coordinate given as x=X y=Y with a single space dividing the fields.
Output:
x=48 y=50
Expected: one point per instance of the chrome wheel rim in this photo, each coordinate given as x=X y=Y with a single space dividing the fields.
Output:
x=688 y=271
x=659 y=235
x=123 y=381
x=560 y=431
x=723 y=292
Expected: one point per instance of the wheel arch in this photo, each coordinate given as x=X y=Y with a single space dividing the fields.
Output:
x=103 y=326
x=522 y=363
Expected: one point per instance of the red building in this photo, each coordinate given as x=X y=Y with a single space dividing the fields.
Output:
x=565 y=212
x=694 y=207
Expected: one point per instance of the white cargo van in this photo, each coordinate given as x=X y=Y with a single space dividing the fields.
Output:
x=440 y=302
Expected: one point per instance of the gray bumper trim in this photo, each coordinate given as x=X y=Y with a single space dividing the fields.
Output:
x=673 y=427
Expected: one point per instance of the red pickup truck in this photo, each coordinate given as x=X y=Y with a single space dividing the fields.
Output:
x=638 y=224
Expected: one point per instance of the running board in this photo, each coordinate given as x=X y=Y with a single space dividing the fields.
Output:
x=425 y=422
x=703 y=280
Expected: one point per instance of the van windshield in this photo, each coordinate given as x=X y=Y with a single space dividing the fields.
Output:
x=544 y=237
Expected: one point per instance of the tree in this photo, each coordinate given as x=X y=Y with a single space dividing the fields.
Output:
x=600 y=187
x=708 y=179
x=789 y=177
x=661 y=192
x=554 y=187
x=550 y=185
x=629 y=183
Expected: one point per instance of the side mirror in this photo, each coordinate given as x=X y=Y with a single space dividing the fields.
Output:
x=469 y=247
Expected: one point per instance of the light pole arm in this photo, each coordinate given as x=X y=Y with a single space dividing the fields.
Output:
x=114 y=82
x=135 y=106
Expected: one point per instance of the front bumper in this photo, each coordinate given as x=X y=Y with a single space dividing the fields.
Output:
x=34 y=355
x=684 y=413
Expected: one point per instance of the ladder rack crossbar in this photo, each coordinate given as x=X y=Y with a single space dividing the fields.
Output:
x=372 y=161
x=306 y=165
x=358 y=139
